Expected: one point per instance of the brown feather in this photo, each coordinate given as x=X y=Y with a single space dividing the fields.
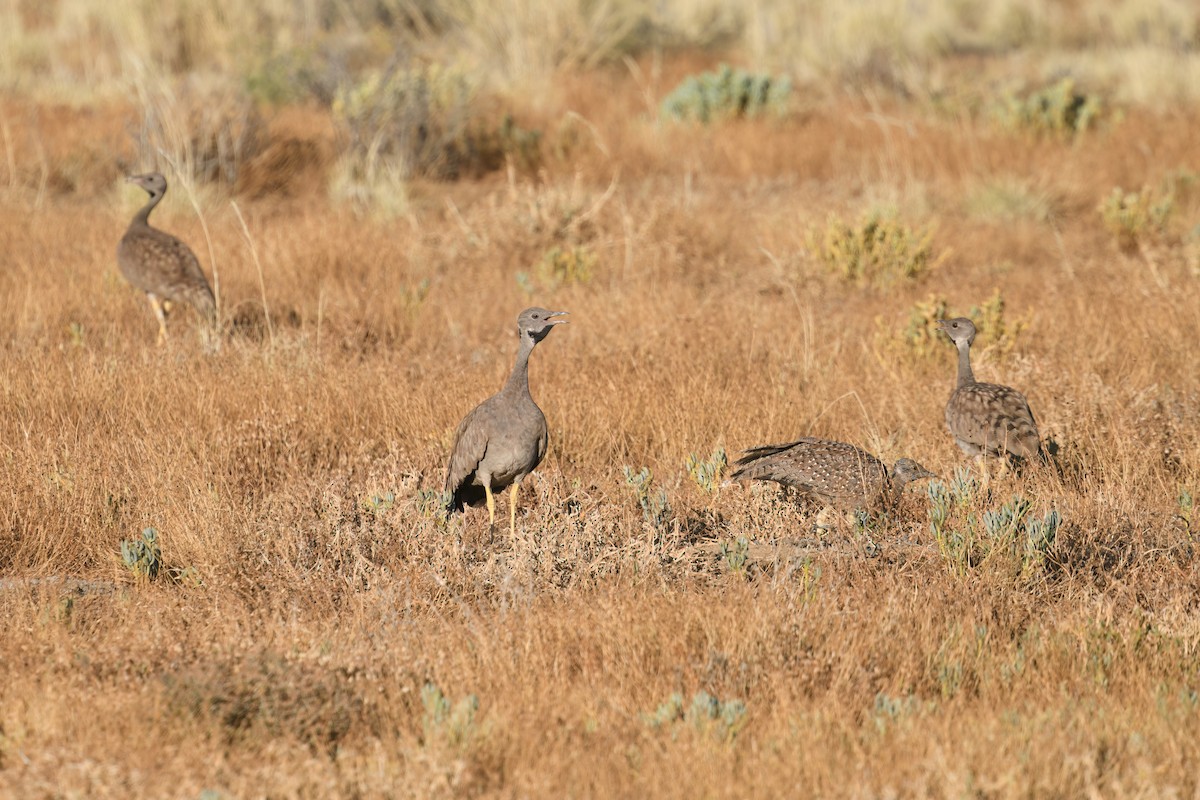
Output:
x=988 y=419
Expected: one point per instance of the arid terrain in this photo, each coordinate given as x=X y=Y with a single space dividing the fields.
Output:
x=376 y=189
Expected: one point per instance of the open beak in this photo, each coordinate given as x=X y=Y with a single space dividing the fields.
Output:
x=550 y=321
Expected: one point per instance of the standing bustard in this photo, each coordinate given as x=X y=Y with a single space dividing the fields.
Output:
x=987 y=419
x=834 y=473
x=504 y=438
x=160 y=265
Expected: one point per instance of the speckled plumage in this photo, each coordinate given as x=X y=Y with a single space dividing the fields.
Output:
x=161 y=265
x=834 y=473
x=986 y=419
x=505 y=437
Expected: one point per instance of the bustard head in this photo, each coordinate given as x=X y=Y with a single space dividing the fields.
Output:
x=907 y=470
x=537 y=322
x=959 y=329
x=153 y=182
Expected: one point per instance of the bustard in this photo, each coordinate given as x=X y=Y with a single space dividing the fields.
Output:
x=987 y=419
x=504 y=438
x=161 y=265
x=834 y=473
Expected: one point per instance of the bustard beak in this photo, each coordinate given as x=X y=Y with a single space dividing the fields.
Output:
x=550 y=321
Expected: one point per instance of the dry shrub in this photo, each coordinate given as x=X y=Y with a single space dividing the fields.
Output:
x=286 y=167
x=432 y=122
x=207 y=134
x=266 y=695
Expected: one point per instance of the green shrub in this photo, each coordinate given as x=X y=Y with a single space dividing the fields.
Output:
x=921 y=338
x=875 y=251
x=444 y=721
x=1133 y=218
x=434 y=504
x=705 y=715
x=707 y=473
x=736 y=555
x=888 y=711
x=966 y=538
x=1187 y=509
x=379 y=504
x=1057 y=109
x=566 y=265
x=726 y=93
x=143 y=556
x=993 y=330
x=920 y=335
x=656 y=509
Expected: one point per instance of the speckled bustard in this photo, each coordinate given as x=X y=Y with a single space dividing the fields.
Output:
x=504 y=438
x=987 y=419
x=834 y=473
x=161 y=265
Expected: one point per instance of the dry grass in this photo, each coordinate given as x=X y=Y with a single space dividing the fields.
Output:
x=1142 y=51
x=296 y=668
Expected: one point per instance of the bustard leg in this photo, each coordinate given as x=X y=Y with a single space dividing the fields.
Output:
x=512 y=510
x=491 y=504
x=160 y=313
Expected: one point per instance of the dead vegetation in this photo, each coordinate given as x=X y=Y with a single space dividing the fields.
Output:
x=315 y=629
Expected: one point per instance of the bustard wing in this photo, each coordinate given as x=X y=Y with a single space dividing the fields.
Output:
x=834 y=472
x=767 y=462
x=470 y=446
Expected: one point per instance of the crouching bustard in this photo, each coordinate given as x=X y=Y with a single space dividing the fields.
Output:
x=834 y=474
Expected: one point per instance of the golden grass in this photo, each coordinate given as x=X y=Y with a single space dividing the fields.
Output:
x=297 y=667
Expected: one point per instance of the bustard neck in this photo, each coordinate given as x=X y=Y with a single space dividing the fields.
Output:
x=518 y=380
x=965 y=375
x=143 y=216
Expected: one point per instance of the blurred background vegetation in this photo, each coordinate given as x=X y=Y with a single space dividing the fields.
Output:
x=1141 y=51
x=443 y=90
